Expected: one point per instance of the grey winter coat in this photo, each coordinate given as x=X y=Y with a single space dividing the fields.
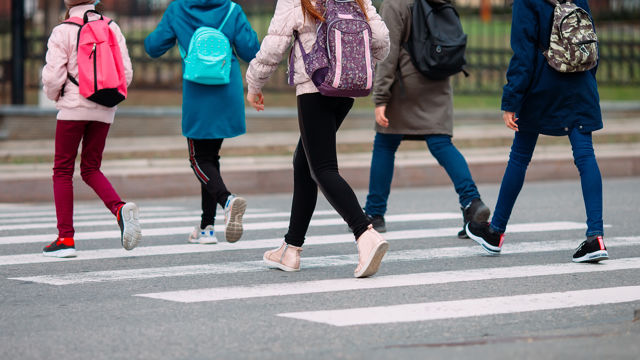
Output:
x=424 y=106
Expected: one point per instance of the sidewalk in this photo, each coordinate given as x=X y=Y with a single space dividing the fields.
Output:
x=260 y=162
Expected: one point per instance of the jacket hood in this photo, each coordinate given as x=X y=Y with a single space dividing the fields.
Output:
x=205 y=3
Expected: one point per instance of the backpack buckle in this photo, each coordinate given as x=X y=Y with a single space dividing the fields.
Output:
x=584 y=50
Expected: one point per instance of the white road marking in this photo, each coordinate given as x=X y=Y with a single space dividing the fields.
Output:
x=111 y=220
x=306 y=263
x=30 y=214
x=105 y=215
x=382 y=282
x=17 y=259
x=269 y=225
x=469 y=307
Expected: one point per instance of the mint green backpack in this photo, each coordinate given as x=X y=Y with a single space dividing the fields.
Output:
x=208 y=60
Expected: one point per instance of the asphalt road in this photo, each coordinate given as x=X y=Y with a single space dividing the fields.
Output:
x=435 y=297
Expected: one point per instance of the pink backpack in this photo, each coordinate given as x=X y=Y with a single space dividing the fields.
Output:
x=101 y=77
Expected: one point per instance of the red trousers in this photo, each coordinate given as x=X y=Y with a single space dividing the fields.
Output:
x=93 y=135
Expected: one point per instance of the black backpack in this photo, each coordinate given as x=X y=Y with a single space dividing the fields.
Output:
x=436 y=43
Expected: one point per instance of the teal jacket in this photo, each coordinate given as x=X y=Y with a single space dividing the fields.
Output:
x=208 y=111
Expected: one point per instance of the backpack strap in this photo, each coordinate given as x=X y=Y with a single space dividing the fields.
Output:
x=74 y=21
x=72 y=79
x=296 y=39
x=233 y=5
x=183 y=52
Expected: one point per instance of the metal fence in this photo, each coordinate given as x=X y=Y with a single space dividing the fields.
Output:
x=488 y=54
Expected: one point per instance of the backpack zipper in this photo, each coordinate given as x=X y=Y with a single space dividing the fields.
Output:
x=95 y=71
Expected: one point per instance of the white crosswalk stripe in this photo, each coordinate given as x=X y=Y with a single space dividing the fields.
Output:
x=105 y=215
x=469 y=307
x=28 y=215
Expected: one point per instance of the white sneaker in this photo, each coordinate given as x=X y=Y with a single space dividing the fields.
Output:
x=203 y=236
x=130 y=233
x=233 y=211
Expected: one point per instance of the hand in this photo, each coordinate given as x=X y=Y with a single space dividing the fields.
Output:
x=256 y=100
x=381 y=119
x=510 y=120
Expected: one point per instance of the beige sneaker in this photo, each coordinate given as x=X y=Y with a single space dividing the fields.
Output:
x=286 y=257
x=371 y=250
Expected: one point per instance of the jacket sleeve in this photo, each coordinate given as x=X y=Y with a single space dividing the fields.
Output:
x=273 y=47
x=54 y=72
x=162 y=38
x=126 y=60
x=386 y=70
x=524 y=40
x=380 y=33
x=245 y=40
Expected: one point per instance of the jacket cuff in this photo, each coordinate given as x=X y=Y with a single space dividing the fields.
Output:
x=508 y=104
x=254 y=90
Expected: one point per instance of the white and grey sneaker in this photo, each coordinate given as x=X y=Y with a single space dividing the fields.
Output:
x=130 y=232
x=233 y=211
x=203 y=236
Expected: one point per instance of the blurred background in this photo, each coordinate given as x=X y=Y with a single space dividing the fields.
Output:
x=26 y=24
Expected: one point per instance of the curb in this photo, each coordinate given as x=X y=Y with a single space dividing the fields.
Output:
x=275 y=175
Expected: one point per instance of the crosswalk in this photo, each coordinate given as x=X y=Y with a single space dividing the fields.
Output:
x=165 y=229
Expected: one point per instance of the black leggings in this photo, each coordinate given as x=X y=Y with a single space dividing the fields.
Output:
x=205 y=162
x=315 y=165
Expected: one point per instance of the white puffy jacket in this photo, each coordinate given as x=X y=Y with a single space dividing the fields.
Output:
x=289 y=17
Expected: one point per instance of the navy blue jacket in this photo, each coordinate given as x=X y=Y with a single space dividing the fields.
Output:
x=208 y=111
x=546 y=101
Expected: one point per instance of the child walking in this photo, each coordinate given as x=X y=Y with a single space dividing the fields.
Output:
x=538 y=99
x=211 y=111
x=81 y=120
x=319 y=117
x=409 y=103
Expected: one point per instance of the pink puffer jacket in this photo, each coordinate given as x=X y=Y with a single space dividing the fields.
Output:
x=62 y=59
x=289 y=17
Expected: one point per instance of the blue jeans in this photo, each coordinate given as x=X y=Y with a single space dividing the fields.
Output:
x=382 y=163
x=583 y=156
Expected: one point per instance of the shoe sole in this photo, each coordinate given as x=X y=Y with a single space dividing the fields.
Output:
x=233 y=229
x=462 y=234
x=203 y=242
x=66 y=253
x=485 y=245
x=593 y=257
x=278 y=265
x=131 y=233
x=373 y=263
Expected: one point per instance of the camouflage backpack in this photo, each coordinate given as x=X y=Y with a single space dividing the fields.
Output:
x=574 y=43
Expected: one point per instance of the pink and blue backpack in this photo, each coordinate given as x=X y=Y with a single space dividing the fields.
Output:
x=340 y=62
x=101 y=77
